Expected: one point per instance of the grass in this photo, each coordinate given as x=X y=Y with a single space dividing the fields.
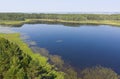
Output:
x=11 y=23
x=99 y=22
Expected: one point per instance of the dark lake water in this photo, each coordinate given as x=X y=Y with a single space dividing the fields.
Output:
x=82 y=46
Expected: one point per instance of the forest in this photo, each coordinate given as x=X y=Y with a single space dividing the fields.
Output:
x=71 y=17
x=22 y=18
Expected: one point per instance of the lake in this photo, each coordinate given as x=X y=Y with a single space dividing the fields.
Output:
x=81 y=46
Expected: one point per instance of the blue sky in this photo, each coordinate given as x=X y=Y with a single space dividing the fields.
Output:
x=59 y=5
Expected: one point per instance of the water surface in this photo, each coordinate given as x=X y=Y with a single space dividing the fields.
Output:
x=82 y=46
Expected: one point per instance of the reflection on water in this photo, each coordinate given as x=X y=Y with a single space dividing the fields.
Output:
x=83 y=46
x=59 y=41
x=6 y=30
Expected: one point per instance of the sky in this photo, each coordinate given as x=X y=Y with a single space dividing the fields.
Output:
x=59 y=5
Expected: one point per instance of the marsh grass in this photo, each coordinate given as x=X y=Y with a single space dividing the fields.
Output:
x=32 y=21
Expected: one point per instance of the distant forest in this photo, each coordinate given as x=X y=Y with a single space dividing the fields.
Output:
x=68 y=17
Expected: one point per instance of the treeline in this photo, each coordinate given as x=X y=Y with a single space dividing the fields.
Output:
x=68 y=17
x=15 y=64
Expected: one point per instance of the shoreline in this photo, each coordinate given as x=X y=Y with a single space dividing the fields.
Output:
x=57 y=21
x=67 y=70
x=15 y=38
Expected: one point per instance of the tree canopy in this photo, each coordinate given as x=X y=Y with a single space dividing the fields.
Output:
x=71 y=17
x=15 y=64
